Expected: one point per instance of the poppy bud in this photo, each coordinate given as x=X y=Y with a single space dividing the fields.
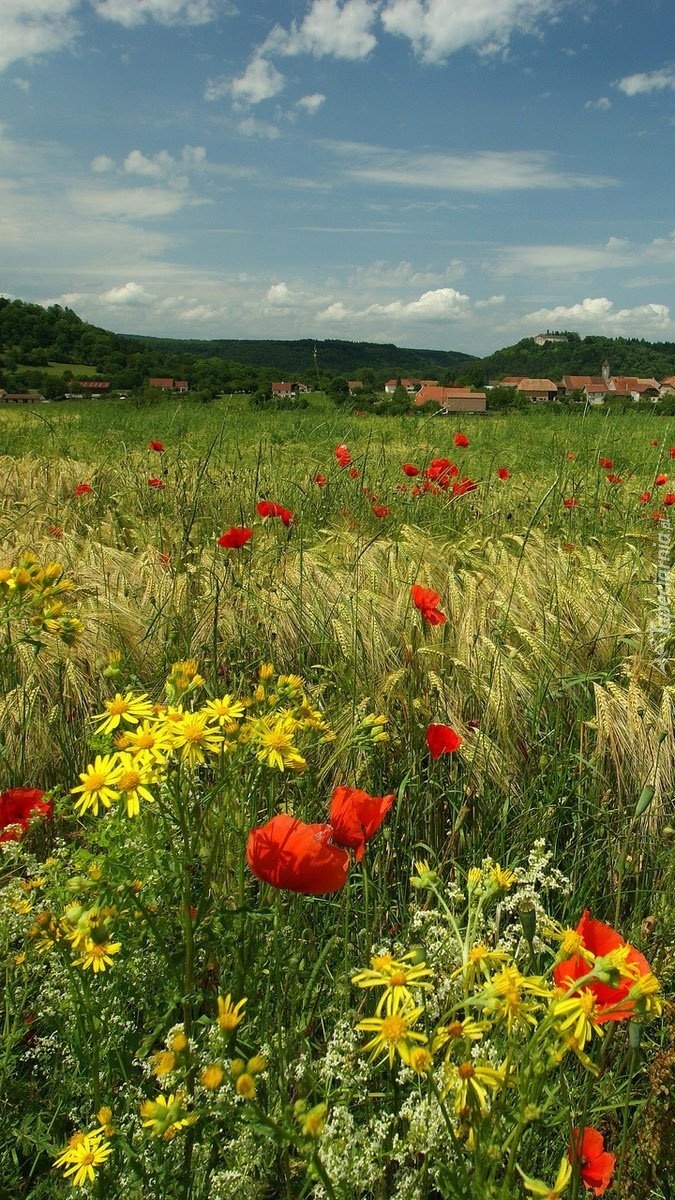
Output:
x=528 y=921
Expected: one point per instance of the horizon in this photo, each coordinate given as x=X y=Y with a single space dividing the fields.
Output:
x=424 y=173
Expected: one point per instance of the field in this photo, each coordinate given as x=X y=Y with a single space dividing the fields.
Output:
x=452 y=661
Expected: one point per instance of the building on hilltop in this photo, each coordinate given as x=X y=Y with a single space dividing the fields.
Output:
x=542 y=338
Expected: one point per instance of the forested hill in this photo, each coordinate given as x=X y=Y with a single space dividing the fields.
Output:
x=578 y=356
x=296 y=358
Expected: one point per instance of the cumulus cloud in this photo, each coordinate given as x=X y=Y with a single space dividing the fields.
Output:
x=437 y=305
x=601 y=314
x=260 y=81
x=437 y=28
x=649 y=81
x=102 y=163
x=253 y=127
x=126 y=293
x=166 y=12
x=162 y=164
x=32 y=27
x=482 y=171
x=311 y=104
x=329 y=28
x=602 y=104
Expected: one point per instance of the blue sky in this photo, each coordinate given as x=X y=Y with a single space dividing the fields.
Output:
x=451 y=174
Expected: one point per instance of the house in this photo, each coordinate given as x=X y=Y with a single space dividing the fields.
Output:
x=168 y=385
x=542 y=338
x=20 y=398
x=667 y=386
x=508 y=381
x=94 y=387
x=595 y=393
x=289 y=389
x=451 y=399
x=412 y=386
x=638 y=388
x=538 y=390
x=577 y=383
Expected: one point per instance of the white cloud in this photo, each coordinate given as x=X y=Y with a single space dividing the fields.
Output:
x=311 y=104
x=128 y=203
x=102 y=163
x=126 y=293
x=437 y=305
x=602 y=104
x=252 y=127
x=438 y=28
x=600 y=314
x=563 y=260
x=32 y=27
x=482 y=171
x=491 y=302
x=167 y=12
x=162 y=164
x=260 y=81
x=329 y=28
x=649 y=81
x=380 y=274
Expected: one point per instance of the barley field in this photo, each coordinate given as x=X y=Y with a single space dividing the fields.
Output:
x=337 y=771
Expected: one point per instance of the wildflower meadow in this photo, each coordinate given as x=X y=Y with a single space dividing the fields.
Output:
x=336 y=804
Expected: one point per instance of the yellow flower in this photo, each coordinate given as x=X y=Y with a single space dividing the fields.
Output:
x=164 y=1063
x=455 y=1031
x=266 y=671
x=245 y=1086
x=97 y=955
x=212 y=1077
x=148 y=741
x=396 y=978
x=256 y=1064
x=421 y=1060
x=166 y=1115
x=502 y=877
x=237 y=1067
x=90 y=1151
x=98 y=784
x=538 y=1188
x=578 y=1016
x=470 y=1081
x=193 y=737
x=311 y=1120
x=177 y=1041
x=132 y=783
x=230 y=1015
x=392 y=1034
x=480 y=963
x=645 y=991
x=128 y=708
x=225 y=710
x=276 y=744
x=506 y=995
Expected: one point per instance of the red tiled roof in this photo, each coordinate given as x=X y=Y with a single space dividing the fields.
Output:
x=537 y=385
x=446 y=396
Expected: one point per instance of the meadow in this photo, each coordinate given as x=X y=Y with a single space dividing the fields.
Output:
x=366 y=882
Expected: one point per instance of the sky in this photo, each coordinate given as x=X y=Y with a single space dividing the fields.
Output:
x=446 y=174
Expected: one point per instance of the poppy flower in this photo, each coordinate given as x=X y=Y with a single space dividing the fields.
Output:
x=645 y=497
x=463 y=486
x=660 y=480
x=353 y=472
x=442 y=739
x=17 y=807
x=156 y=446
x=355 y=817
x=657 y=516
x=381 y=510
x=155 y=482
x=235 y=537
x=427 y=602
x=320 y=480
x=669 y=498
x=571 y=502
x=503 y=473
x=410 y=470
x=460 y=439
x=82 y=489
x=297 y=857
x=595 y=1163
x=267 y=508
x=672 y=452
x=571 y=456
x=342 y=455
x=616 y=479
x=606 y=463
x=600 y=940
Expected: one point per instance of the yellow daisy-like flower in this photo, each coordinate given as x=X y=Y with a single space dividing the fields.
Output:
x=578 y=1017
x=97 y=955
x=393 y=1034
x=132 y=782
x=230 y=1015
x=538 y=1188
x=194 y=738
x=277 y=748
x=212 y=1077
x=166 y=1115
x=421 y=1060
x=645 y=991
x=164 y=1062
x=502 y=877
x=245 y=1086
x=480 y=963
x=83 y=1156
x=457 y=1031
x=512 y=997
x=99 y=783
x=149 y=741
x=470 y=1082
x=225 y=710
x=396 y=978
x=128 y=708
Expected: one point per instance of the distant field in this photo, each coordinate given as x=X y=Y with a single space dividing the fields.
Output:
x=81 y=370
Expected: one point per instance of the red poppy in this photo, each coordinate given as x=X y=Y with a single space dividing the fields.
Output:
x=645 y=497
x=320 y=480
x=410 y=470
x=672 y=452
x=660 y=480
x=355 y=817
x=571 y=502
x=82 y=489
x=267 y=508
x=17 y=806
x=616 y=479
x=465 y=485
x=416 y=489
x=460 y=439
x=427 y=603
x=297 y=857
x=156 y=446
x=601 y=939
x=235 y=537
x=440 y=468
x=442 y=739
x=155 y=482
x=55 y=531
x=381 y=510
x=606 y=463
x=669 y=498
x=353 y=472
x=595 y=1163
x=343 y=456
x=571 y=456
x=163 y=558
x=503 y=473
x=657 y=516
